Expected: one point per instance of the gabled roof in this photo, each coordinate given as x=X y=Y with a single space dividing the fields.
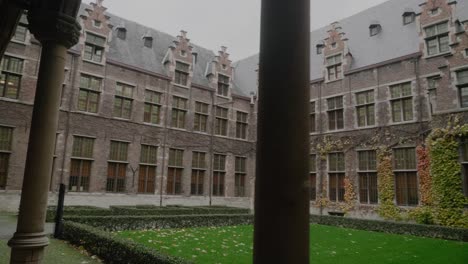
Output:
x=396 y=40
x=132 y=51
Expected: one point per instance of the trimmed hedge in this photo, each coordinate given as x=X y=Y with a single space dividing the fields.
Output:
x=114 y=249
x=143 y=210
x=401 y=228
x=118 y=223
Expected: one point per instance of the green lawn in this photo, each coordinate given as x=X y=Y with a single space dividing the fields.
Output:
x=328 y=245
x=58 y=252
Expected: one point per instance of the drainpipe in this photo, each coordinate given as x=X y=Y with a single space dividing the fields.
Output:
x=164 y=146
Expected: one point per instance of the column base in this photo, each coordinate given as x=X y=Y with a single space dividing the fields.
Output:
x=28 y=247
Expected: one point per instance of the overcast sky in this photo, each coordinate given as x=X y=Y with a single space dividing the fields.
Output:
x=231 y=23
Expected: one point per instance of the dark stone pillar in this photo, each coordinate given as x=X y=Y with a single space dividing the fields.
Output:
x=53 y=23
x=282 y=188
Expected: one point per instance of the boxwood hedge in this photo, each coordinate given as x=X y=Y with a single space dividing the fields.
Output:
x=114 y=249
x=118 y=223
x=401 y=228
x=142 y=210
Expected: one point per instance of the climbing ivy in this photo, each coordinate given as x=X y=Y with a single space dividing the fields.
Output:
x=349 y=196
x=386 y=185
x=424 y=171
x=447 y=196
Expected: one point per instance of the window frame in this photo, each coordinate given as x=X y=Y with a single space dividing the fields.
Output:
x=118 y=112
x=175 y=171
x=9 y=71
x=181 y=73
x=402 y=99
x=369 y=108
x=223 y=85
x=336 y=66
x=240 y=176
x=179 y=112
x=219 y=175
x=199 y=167
x=242 y=124
x=409 y=172
x=461 y=86
x=5 y=154
x=221 y=121
x=200 y=123
x=89 y=92
x=337 y=174
x=368 y=171
x=147 y=169
x=154 y=106
x=118 y=165
x=92 y=47
x=437 y=36
x=334 y=113
x=312 y=117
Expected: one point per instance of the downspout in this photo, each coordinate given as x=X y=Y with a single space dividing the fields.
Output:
x=164 y=146
x=73 y=71
x=210 y=187
x=320 y=137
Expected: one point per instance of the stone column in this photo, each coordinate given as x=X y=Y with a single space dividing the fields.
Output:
x=53 y=23
x=281 y=190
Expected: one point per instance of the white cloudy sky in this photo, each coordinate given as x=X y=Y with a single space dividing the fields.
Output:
x=231 y=23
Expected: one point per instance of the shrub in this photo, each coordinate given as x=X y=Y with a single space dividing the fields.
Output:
x=144 y=210
x=113 y=249
x=431 y=231
x=118 y=223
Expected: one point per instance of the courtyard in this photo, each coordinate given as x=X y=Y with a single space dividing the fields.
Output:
x=328 y=245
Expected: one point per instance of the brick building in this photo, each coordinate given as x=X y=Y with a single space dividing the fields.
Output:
x=145 y=117
x=382 y=78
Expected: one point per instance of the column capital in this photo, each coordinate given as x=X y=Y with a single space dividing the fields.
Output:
x=55 y=21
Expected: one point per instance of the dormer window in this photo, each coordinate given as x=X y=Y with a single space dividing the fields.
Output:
x=459 y=27
x=148 y=42
x=333 y=45
x=20 y=33
x=97 y=23
x=183 y=53
x=334 y=67
x=434 y=11
x=224 y=66
x=375 y=29
x=408 y=18
x=320 y=48
x=121 y=33
x=21 y=29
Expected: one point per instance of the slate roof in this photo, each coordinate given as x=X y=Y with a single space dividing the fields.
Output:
x=395 y=40
x=132 y=51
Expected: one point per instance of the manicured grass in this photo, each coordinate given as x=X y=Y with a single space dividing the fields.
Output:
x=58 y=252
x=329 y=245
